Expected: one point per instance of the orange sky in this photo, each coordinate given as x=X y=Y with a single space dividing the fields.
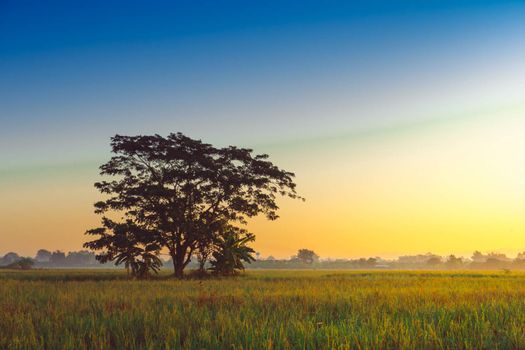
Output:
x=447 y=187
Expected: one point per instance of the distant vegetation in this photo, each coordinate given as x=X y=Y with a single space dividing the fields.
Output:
x=304 y=259
x=48 y=259
x=307 y=259
x=20 y=264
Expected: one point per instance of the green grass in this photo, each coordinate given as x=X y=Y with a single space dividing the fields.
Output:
x=93 y=309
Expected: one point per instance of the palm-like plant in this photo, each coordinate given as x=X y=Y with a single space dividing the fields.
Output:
x=231 y=250
x=149 y=261
x=139 y=260
x=125 y=244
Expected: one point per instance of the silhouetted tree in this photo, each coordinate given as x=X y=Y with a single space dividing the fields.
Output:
x=307 y=256
x=477 y=257
x=520 y=256
x=434 y=261
x=204 y=252
x=366 y=263
x=454 y=261
x=43 y=255
x=9 y=258
x=498 y=256
x=129 y=245
x=175 y=189
x=231 y=251
x=80 y=258
x=206 y=242
x=58 y=258
x=22 y=264
x=371 y=262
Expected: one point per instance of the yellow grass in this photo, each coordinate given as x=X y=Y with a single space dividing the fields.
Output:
x=263 y=310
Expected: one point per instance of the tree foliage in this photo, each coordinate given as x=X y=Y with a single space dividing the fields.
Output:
x=58 y=258
x=307 y=256
x=22 y=264
x=172 y=193
x=232 y=251
x=126 y=244
x=43 y=255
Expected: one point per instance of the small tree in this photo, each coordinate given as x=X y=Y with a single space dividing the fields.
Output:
x=80 y=258
x=205 y=245
x=477 y=257
x=204 y=252
x=22 y=264
x=9 y=258
x=454 y=262
x=307 y=256
x=58 y=258
x=127 y=244
x=43 y=255
x=434 y=261
x=231 y=251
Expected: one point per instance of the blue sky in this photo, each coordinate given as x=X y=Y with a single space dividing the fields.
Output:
x=236 y=72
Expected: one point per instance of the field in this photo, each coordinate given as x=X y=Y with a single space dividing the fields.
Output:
x=263 y=310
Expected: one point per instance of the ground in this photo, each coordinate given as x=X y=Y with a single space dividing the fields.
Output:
x=96 y=309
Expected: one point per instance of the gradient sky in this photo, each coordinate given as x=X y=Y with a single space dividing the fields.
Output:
x=403 y=120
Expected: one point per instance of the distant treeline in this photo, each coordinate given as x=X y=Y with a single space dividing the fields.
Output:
x=57 y=259
x=478 y=260
x=304 y=259
x=53 y=259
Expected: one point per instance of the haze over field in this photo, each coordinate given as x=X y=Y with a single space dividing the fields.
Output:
x=403 y=121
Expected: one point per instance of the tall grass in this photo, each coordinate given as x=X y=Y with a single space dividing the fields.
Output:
x=263 y=310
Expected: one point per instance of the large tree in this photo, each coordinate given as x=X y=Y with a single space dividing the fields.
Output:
x=174 y=192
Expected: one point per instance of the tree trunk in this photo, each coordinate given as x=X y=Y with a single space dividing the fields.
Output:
x=178 y=267
x=202 y=264
x=181 y=258
x=179 y=272
x=202 y=259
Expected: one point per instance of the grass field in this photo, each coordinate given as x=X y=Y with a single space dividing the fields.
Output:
x=263 y=310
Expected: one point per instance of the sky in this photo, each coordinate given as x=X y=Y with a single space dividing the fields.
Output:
x=404 y=121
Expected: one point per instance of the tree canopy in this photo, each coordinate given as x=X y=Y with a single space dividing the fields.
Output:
x=172 y=193
x=307 y=256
